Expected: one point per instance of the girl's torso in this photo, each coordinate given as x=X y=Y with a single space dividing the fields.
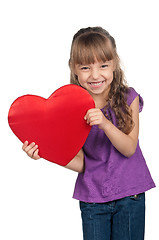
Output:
x=108 y=174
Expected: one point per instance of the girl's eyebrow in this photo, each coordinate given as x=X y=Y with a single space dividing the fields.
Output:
x=80 y=65
x=107 y=61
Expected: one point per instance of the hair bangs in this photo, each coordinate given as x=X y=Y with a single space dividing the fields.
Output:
x=92 y=47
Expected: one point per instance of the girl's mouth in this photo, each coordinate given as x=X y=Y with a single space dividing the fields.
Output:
x=96 y=84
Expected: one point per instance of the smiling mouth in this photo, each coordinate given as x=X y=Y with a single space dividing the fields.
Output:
x=96 y=83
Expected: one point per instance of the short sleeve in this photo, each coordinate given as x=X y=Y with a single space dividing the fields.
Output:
x=132 y=94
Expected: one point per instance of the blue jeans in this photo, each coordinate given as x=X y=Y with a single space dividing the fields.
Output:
x=122 y=219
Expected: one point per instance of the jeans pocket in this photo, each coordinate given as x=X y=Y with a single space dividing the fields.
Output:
x=137 y=197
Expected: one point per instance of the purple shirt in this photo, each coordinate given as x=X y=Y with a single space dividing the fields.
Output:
x=108 y=174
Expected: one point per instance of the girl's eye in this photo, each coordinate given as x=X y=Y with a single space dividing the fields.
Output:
x=84 y=68
x=104 y=66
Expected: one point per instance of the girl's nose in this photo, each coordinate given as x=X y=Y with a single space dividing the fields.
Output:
x=95 y=74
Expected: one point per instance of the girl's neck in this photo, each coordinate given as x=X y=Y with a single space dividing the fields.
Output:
x=100 y=103
x=100 y=99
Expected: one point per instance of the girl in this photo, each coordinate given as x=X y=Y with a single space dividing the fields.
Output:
x=113 y=175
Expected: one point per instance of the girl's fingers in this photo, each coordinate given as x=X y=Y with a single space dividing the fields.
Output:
x=32 y=150
x=93 y=116
x=29 y=147
x=94 y=122
x=25 y=144
x=35 y=155
x=92 y=112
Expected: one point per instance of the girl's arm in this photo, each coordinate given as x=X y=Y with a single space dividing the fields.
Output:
x=125 y=144
x=77 y=163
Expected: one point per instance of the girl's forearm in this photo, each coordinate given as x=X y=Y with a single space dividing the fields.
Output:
x=77 y=163
x=124 y=143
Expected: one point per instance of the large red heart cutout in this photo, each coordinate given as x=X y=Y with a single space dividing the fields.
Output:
x=55 y=124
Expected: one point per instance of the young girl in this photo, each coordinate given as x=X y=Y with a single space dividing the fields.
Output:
x=113 y=175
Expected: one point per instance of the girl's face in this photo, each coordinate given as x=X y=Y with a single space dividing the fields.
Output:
x=96 y=77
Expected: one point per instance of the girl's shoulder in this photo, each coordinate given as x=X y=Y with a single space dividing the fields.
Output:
x=131 y=95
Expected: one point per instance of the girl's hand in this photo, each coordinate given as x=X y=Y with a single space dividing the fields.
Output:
x=95 y=116
x=31 y=150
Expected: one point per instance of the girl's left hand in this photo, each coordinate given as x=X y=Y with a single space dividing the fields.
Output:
x=95 y=116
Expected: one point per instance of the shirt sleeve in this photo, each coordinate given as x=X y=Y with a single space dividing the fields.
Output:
x=132 y=94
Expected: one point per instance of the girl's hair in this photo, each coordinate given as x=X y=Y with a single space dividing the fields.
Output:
x=95 y=43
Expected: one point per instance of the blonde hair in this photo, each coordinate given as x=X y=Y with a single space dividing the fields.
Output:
x=91 y=44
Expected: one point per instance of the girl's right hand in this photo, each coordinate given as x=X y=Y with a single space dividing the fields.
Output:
x=31 y=150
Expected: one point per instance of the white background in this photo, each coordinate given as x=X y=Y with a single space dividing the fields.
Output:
x=36 y=196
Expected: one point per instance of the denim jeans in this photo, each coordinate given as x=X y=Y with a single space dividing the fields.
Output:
x=122 y=219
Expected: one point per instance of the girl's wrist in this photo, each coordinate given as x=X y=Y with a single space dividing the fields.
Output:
x=107 y=126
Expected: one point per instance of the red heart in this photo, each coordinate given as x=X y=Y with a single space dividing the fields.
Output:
x=55 y=124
